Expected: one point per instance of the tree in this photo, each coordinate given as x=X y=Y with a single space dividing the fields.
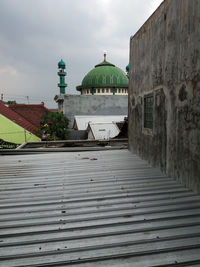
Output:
x=11 y=102
x=54 y=126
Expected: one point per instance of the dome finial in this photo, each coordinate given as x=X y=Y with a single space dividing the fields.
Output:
x=104 y=54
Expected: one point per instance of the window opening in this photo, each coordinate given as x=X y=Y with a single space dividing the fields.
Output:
x=148 y=111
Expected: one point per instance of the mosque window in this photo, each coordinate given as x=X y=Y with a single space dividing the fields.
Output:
x=107 y=90
x=148 y=111
x=120 y=91
x=102 y=90
x=88 y=91
x=99 y=91
x=95 y=91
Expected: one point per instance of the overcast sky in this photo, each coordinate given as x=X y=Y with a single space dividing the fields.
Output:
x=36 y=34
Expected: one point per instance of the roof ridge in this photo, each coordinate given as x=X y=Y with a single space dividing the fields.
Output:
x=104 y=63
x=28 y=105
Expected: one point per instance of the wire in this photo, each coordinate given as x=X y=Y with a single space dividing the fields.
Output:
x=25 y=97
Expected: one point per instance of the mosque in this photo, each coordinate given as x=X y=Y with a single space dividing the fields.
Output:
x=103 y=91
x=104 y=79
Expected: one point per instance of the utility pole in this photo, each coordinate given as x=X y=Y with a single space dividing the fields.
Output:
x=27 y=99
x=25 y=135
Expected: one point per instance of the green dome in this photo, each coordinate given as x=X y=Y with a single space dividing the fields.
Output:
x=61 y=64
x=104 y=74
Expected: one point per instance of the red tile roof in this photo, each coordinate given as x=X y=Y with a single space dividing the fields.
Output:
x=32 y=113
x=15 y=117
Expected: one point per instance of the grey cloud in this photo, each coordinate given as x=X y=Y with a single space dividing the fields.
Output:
x=35 y=34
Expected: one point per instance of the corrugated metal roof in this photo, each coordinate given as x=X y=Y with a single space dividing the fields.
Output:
x=103 y=131
x=83 y=121
x=103 y=208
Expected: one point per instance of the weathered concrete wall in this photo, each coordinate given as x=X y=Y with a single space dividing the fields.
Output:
x=94 y=105
x=165 y=60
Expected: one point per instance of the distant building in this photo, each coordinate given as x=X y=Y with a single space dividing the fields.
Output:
x=164 y=91
x=14 y=128
x=30 y=112
x=104 y=91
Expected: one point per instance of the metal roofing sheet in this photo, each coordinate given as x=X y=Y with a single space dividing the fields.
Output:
x=83 y=121
x=97 y=208
x=103 y=131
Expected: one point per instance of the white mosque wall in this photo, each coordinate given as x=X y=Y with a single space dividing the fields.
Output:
x=105 y=91
x=72 y=105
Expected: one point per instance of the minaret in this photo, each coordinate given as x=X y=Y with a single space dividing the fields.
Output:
x=127 y=71
x=62 y=74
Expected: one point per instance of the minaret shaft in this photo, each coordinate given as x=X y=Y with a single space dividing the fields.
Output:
x=61 y=73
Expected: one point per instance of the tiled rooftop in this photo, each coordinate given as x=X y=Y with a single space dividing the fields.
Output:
x=17 y=118
x=32 y=113
x=98 y=208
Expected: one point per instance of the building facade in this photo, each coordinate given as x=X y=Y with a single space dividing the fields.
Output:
x=73 y=105
x=15 y=128
x=164 y=91
x=13 y=133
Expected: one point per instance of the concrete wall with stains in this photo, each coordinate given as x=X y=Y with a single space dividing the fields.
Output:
x=72 y=105
x=165 y=61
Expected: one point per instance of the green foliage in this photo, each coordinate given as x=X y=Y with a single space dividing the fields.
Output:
x=54 y=126
x=7 y=145
x=11 y=102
